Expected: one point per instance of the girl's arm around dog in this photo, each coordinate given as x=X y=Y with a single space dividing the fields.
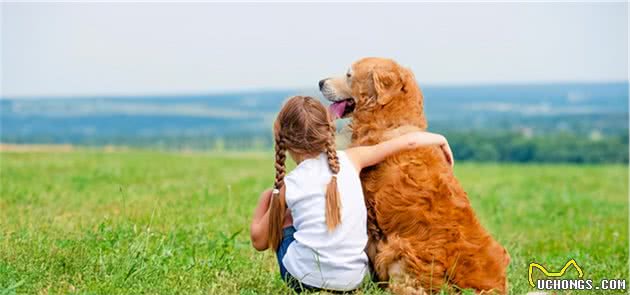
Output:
x=365 y=156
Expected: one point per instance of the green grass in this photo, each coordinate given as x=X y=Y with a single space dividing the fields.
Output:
x=144 y=222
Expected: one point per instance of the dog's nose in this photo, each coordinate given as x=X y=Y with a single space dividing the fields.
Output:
x=321 y=84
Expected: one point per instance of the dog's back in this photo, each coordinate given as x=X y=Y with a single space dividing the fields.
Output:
x=427 y=226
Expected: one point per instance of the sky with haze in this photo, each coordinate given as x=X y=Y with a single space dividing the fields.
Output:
x=92 y=49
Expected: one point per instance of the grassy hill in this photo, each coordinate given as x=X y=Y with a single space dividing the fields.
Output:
x=90 y=221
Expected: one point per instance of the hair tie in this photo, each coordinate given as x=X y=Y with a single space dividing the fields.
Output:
x=275 y=191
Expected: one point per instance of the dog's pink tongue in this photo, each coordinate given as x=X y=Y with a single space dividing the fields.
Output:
x=337 y=108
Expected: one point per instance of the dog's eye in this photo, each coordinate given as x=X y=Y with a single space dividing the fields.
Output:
x=348 y=75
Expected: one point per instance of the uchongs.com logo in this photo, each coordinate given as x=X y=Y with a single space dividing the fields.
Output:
x=553 y=280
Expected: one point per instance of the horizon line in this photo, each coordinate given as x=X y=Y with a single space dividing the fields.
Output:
x=301 y=88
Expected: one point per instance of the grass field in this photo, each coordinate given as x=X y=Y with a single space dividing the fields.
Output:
x=147 y=222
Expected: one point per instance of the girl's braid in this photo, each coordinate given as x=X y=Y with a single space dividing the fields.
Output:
x=333 y=160
x=281 y=155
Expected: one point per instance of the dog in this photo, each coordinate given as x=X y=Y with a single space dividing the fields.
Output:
x=423 y=234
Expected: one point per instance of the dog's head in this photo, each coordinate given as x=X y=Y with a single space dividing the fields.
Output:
x=368 y=84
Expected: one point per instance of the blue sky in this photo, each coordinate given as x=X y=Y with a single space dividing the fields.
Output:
x=87 y=49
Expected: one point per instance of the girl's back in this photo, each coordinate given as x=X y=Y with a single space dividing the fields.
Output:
x=319 y=257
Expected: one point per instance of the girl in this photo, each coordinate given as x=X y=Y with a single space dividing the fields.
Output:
x=315 y=217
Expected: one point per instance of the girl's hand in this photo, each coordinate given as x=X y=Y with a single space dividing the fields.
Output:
x=446 y=149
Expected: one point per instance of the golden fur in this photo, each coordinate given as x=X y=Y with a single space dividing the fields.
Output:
x=423 y=233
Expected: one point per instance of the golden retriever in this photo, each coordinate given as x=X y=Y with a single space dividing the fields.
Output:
x=423 y=233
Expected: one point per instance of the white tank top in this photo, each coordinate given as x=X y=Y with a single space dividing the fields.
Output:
x=332 y=260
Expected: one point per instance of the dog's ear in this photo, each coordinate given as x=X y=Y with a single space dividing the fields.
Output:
x=383 y=83
x=387 y=85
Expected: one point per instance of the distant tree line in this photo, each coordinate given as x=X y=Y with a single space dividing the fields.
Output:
x=549 y=148
x=480 y=146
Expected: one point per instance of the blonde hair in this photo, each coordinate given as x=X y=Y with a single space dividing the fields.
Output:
x=303 y=127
